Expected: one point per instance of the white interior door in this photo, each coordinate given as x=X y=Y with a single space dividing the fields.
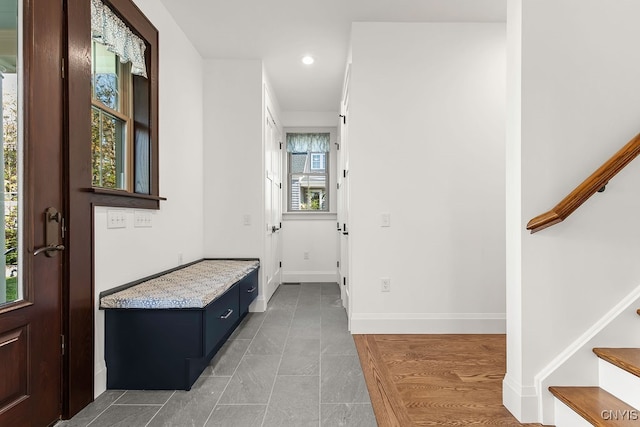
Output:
x=343 y=203
x=273 y=209
x=276 y=203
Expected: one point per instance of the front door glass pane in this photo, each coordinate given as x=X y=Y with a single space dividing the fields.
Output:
x=11 y=288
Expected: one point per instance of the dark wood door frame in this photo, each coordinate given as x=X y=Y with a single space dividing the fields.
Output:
x=78 y=371
x=79 y=295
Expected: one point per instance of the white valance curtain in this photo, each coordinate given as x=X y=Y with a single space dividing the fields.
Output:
x=109 y=30
x=308 y=142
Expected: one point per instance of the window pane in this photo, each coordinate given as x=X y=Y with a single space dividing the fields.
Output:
x=308 y=192
x=11 y=284
x=104 y=82
x=108 y=150
x=318 y=162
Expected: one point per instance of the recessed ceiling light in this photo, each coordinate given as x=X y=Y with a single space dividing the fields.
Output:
x=308 y=60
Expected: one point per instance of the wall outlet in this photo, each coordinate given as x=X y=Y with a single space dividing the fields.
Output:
x=385 y=283
x=246 y=219
x=305 y=255
x=116 y=218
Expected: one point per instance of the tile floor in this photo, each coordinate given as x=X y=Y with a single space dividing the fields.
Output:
x=294 y=365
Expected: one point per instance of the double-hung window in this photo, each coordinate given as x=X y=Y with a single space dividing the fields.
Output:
x=308 y=177
x=111 y=136
x=124 y=105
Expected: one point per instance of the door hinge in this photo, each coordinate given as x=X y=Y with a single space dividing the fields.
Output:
x=344 y=118
x=281 y=145
x=62 y=344
x=280 y=185
x=338 y=186
x=62 y=68
x=280 y=263
x=280 y=225
x=344 y=281
x=338 y=264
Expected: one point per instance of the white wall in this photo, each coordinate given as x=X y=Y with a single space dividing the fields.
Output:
x=310 y=118
x=579 y=106
x=426 y=145
x=236 y=95
x=233 y=163
x=124 y=255
x=312 y=233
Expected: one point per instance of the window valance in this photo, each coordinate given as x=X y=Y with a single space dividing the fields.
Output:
x=308 y=142
x=109 y=30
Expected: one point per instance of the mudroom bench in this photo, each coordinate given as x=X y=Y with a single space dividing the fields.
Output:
x=162 y=331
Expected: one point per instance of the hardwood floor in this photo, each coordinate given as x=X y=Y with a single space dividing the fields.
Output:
x=423 y=380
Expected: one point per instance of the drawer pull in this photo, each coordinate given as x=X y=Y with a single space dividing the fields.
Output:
x=251 y=290
x=226 y=316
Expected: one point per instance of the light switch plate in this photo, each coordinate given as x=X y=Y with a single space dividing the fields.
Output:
x=142 y=219
x=116 y=218
x=385 y=219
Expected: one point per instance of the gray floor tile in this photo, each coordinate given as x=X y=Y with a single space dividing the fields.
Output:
x=144 y=397
x=90 y=412
x=253 y=380
x=294 y=402
x=331 y=301
x=228 y=358
x=347 y=415
x=125 y=416
x=237 y=416
x=269 y=340
x=191 y=408
x=302 y=337
x=301 y=357
x=301 y=330
x=342 y=380
x=310 y=313
x=336 y=341
x=334 y=318
x=330 y=288
x=249 y=326
x=279 y=317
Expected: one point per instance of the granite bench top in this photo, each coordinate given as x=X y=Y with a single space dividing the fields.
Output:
x=194 y=286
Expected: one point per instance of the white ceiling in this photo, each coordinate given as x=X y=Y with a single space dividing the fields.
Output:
x=281 y=32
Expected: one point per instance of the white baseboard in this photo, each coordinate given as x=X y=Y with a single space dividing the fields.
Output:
x=521 y=401
x=99 y=379
x=260 y=304
x=428 y=323
x=309 y=277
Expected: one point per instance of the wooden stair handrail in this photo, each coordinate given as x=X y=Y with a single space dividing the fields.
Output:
x=588 y=187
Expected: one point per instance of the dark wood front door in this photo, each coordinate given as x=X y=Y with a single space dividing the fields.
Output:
x=31 y=303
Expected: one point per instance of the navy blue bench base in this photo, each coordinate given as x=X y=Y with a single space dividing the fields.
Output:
x=167 y=349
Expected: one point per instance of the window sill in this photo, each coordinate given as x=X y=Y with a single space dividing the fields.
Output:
x=121 y=198
x=309 y=216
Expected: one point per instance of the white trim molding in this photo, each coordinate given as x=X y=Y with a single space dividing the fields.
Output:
x=574 y=357
x=521 y=401
x=310 y=276
x=428 y=323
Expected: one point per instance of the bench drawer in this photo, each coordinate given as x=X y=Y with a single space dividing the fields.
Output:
x=220 y=317
x=248 y=290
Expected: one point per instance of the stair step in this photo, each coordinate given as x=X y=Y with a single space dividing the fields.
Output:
x=624 y=358
x=600 y=408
